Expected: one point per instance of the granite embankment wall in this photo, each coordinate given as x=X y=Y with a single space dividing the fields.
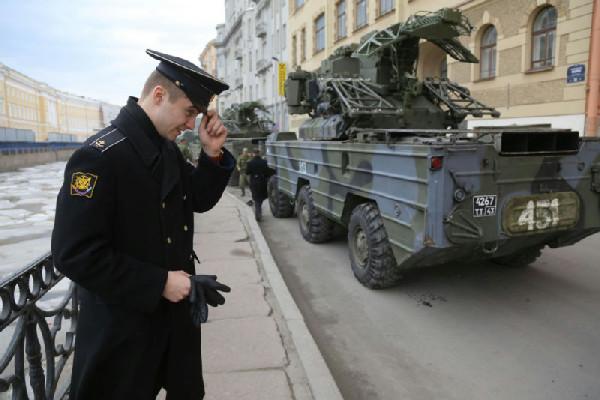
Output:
x=11 y=161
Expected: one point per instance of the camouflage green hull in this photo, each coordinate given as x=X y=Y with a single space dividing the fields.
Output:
x=478 y=204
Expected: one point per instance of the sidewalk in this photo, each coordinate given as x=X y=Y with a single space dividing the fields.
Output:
x=257 y=345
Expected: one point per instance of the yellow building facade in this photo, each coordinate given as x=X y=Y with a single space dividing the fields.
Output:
x=208 y=61
x=51 y=114
x=535 y=54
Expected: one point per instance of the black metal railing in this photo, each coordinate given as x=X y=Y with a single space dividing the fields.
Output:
x=25 y=354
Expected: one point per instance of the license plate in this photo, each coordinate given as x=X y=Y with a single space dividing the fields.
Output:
x=541 y=213
x=484 y=205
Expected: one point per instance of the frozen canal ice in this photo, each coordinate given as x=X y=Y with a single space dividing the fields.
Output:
x=27 y=205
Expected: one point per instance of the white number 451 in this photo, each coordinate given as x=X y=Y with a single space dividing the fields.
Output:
x=540 y=214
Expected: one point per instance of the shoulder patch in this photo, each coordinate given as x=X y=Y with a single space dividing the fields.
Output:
x=107 y=140
x=83 y=184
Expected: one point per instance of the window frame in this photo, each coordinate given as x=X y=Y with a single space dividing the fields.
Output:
x=341 y=17
x=356 y=9
x=491 y=50
x=543 y=63
x=381 y=12
x=294 y=50
x=303 y=44
x=317 y=31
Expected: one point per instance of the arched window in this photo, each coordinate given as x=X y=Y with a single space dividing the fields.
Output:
x=542 y=39
x=487 y=62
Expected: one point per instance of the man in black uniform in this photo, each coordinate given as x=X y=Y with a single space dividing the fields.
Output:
x=123 y=232
x=259 y=173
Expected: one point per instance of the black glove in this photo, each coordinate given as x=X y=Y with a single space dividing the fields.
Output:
x=204 y=292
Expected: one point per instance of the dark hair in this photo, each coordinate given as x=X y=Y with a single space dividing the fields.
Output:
x=158 y=79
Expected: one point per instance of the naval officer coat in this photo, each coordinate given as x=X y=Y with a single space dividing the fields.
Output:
x=124 y=217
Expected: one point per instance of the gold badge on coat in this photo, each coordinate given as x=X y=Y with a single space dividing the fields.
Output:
x=82 y=184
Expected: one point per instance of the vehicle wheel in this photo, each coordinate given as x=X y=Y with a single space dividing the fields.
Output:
x=315 y=227
x=371 y=254
x=520 y=259
x=281 y=205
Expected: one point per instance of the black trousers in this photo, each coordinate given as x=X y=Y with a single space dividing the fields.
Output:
x=258 y=208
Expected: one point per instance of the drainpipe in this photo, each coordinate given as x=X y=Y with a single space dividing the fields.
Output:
x=593 y=89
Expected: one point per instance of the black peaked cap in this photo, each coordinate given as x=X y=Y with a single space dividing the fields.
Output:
x=199 y=86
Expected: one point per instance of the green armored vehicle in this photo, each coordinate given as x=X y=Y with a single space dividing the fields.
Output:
x=384 y=156
x=248 y=124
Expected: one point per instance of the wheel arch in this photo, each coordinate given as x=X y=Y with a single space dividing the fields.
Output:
x=301 y=183
x=350 y=203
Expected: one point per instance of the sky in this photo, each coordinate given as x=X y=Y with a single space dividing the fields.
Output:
x=96 y=48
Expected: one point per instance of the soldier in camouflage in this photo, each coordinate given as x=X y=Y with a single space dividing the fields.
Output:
x=241 y=167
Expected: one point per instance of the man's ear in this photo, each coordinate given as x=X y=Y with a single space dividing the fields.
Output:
x=158 y=95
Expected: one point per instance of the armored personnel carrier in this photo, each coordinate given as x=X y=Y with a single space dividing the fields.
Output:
x=248 y=124
x=384 y=156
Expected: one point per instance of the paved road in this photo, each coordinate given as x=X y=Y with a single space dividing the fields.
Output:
x=453 y=332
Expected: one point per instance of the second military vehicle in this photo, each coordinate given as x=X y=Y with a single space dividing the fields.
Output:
x=248 y=124
x=382 y=155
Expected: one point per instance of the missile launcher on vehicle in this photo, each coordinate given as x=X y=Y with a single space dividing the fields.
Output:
x=385 y=156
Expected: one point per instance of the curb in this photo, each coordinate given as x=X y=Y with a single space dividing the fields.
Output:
x=319 y=377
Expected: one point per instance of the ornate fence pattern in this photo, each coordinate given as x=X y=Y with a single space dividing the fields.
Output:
x=25 y=355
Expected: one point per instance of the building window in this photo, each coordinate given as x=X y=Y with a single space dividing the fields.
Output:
x=294 y=51
x=444 y=68
x=1 y=105
x=320 y=33
x=487 y=63
x=303 y=45
x=361 y=13
x=385 y=6
x=543 y=37
x=298 y=3
x=341 y=20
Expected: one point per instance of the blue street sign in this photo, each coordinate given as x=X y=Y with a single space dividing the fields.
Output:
x=576 y=73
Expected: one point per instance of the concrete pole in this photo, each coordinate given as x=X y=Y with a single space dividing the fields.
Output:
x=593 y=89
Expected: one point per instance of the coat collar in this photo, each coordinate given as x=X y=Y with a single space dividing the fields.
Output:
x=133 y=122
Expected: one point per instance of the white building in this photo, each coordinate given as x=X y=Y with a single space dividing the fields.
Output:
x=250 y=45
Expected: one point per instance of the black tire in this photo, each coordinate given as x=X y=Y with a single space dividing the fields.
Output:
x=371 y=255
x=281 y=205
x=314 y=227
x=520 y=259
